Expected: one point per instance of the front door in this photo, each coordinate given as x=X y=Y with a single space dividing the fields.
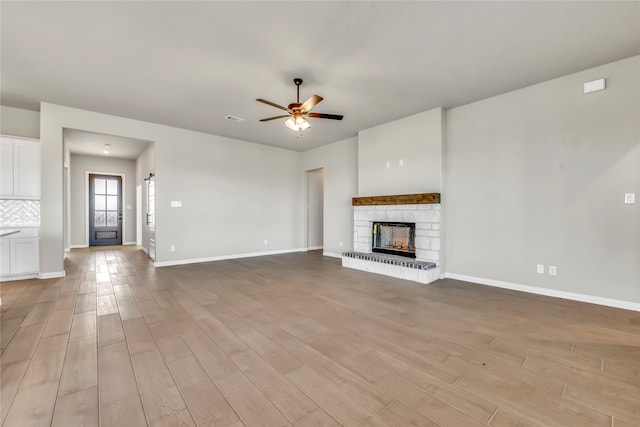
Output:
x=105 y=210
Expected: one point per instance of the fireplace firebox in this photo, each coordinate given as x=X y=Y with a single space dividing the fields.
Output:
x=394 y=238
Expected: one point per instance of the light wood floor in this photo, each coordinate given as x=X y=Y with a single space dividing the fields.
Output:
x=297 y=340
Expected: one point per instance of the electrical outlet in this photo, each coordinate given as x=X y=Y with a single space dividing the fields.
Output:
x=629 y=198
x=340 y=244
x=553 y=270
x=400 y=162
x=172 y=248
x=388 y=164
x=266 y=242
x=540 y=268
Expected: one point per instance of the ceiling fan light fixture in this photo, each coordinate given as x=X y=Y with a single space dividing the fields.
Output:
x=297 y=122
x=291 y=124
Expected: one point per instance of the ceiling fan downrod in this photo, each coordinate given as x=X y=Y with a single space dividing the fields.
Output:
x=298 y=82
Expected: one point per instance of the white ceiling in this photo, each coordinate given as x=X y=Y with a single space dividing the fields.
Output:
x=189 y=64
x=95 y=144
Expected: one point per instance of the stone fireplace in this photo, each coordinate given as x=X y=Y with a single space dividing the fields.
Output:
x=403 y=214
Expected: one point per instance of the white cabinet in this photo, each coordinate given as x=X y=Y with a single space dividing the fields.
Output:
x=25 y=256
x=26 y=169
x=6 y=167
x=20 y=255
x=19 y=168
x=5 y=257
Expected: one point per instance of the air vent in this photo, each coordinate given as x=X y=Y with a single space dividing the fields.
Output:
x=594 y=86
x=234 y=119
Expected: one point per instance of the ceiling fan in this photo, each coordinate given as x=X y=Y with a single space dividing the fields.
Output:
x=298 y=112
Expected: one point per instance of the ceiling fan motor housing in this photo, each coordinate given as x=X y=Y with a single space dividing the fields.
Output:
x=294 y=107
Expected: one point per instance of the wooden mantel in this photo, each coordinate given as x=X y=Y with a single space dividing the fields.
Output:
x=400 y=199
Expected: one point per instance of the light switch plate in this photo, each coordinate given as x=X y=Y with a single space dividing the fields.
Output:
x=553 y=270
x=629 y=198
x=176 y=203
x=540 y=268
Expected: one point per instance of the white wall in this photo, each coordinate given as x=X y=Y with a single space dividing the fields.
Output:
x=19 y=122
x=339 y=163
x=315 y=201
x=538 y=176
x=416 y=141
x=235 y=193
x=80 y=165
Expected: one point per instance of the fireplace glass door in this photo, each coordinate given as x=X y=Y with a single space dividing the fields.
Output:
x=395 y=238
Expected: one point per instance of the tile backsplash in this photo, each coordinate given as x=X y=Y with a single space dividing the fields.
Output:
x=19 y=213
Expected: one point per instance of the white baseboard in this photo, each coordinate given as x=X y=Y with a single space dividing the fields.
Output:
x=627 y=305
x=314 y=248
x=86 y=246
x=52 y=275
x=18 y=277
x=224 y=257
x=145 y=250
x=332 y=254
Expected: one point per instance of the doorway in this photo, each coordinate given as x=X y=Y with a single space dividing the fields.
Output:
x=139 y=215
x=105 y=210
x=315 y=209
x=151 y=216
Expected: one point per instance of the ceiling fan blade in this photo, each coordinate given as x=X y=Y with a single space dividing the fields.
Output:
x=273 y=118
x=309 y=103
x=264 y=101
x=325 y=116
